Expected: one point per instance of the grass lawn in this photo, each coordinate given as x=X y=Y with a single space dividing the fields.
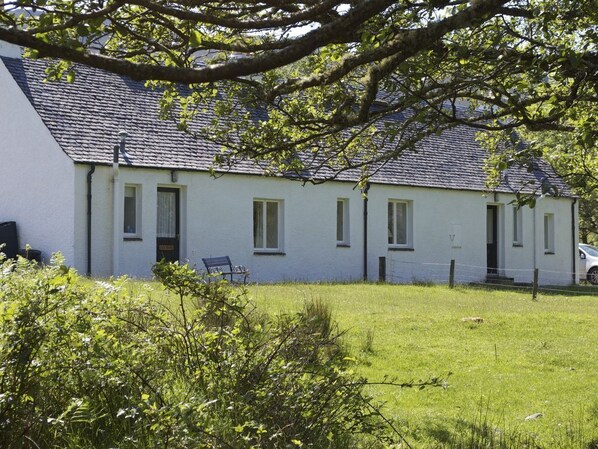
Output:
x=524 y=358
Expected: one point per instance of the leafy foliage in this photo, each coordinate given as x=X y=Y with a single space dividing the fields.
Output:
x=93 y=366
x=341 y=85
x=574 y=155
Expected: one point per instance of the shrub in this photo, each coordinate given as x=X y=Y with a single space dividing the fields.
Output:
x=89 y=365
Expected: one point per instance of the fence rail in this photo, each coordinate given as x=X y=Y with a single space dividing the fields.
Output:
x=534 y=280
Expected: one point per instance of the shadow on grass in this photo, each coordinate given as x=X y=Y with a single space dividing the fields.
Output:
x=481 y=433
x=477 y=434
x=546 y=290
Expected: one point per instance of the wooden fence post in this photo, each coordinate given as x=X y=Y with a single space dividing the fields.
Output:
x=535 y=286
x=382 y=269
x=452 y=274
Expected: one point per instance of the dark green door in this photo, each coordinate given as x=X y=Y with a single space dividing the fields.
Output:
x=492 y=239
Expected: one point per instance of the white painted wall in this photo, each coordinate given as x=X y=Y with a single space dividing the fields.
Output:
x=9 y=50
x=217 y=219
x=101 y=219
x=37 y=184
x=436 y=215
x=554 y=268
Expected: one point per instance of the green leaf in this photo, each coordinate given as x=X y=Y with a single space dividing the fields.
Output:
x=195 y=38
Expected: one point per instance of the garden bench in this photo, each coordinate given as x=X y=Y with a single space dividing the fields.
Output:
x=223 y=266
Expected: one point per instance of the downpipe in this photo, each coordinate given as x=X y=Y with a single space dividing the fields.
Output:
x=90 y=173
x=365 y=230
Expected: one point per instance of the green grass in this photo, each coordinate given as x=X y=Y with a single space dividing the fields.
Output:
x=525 y=357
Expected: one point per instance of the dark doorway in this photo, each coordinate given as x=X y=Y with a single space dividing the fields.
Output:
x=492 y=239
x=167 y=229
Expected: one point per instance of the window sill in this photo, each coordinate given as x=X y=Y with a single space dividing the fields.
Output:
x=517 y=245
x=343 y=245
x=549 y=253
x=395 y=248
x=269 y=253
x=132 y=239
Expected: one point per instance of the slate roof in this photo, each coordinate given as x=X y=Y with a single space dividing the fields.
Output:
x=86 y=116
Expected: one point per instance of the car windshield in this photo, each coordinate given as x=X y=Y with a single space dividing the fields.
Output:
x=591 y=250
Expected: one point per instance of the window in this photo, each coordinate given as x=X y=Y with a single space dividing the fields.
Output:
x=549 y=233
x=167 y=213
x=517 y=226
x=399 y=224
x=267 y=225
x=132 y=211
x=342 y=222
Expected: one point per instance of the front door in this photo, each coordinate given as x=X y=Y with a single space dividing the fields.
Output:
x=167 y=231
x=492 y=239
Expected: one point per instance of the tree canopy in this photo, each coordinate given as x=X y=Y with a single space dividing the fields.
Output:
x=576 y=160
x=344 y=84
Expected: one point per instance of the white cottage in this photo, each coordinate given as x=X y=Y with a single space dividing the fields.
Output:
x=62 y=187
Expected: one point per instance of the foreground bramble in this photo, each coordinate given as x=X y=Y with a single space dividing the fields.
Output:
x=95 y=366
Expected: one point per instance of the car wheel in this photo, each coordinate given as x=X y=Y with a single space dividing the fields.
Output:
x=593 y=276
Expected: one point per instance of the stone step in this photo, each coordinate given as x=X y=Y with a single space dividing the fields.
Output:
x=500 y=280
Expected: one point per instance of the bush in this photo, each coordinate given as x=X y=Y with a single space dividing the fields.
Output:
x=89 y=365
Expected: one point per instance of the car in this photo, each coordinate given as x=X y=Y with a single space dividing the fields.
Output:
x=588 y=266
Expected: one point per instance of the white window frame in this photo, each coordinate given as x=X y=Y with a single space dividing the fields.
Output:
x=517 y=226
x=392 y=234
x=137 y=189
x=342 y=222
x=279 y=226
x=549 y=242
